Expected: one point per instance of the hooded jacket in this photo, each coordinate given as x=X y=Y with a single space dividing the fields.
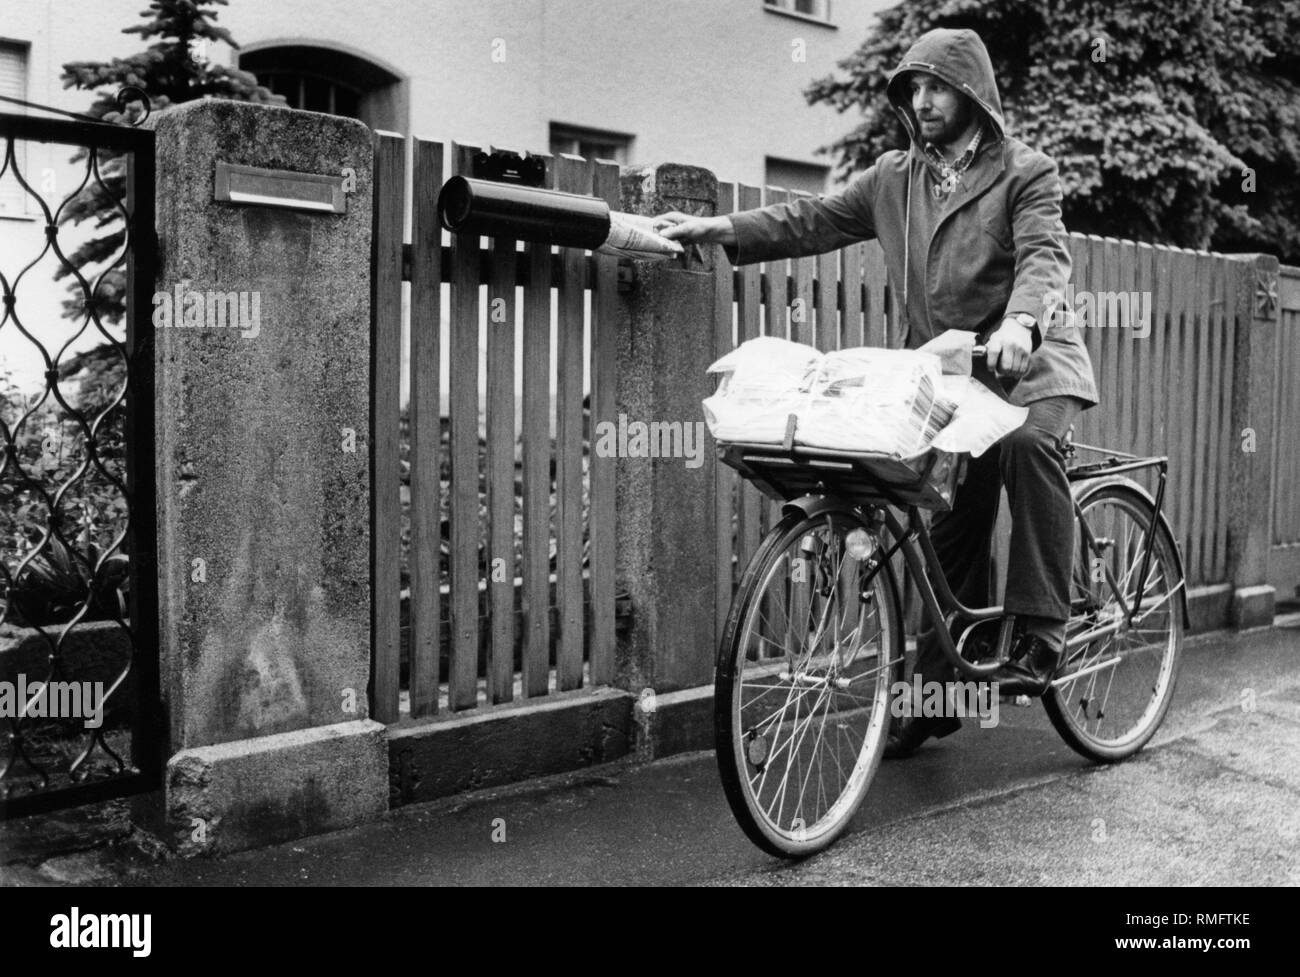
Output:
x=998 y=249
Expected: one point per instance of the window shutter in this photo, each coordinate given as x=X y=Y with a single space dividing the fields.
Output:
x=13 y=82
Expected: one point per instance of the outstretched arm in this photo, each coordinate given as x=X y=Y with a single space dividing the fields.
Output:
x=808 y=225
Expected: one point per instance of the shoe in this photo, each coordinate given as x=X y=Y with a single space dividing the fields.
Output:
x=906 y=736
x=1031 y=668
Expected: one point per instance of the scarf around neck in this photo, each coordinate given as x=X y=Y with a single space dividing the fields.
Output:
x=951 y=173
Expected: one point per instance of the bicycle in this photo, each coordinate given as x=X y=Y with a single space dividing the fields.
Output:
x=813 y=642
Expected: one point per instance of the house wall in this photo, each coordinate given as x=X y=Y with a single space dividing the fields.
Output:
x=716 y=83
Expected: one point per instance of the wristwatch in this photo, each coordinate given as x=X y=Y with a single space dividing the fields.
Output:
x=1030 y=323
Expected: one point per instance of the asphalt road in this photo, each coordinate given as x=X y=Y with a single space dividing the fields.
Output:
x=1213 y=800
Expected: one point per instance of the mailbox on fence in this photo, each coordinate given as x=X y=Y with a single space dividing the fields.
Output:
x=506 y=206
x=525 y=213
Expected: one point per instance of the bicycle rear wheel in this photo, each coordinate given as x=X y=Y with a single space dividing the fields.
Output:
x=801 y=698
x=1115 y=689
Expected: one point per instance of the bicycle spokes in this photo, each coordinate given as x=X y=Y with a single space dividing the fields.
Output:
x=811 y=691
x=1117 y=670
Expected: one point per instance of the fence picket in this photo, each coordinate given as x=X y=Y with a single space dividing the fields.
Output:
x=1080 y=254
x=385 y=383
x=1161 y=325
x=499 y=571
x=1185 y=289
x=1110 y=344
x=1198 y=343
x=1228 y=438
x=777 y=321
x=875 y=280
x=1093 y=335
x=1149 y=361
x=852 y=259
x=802 y=270
x=776 y=281
x=826 y=292
x=1145 y=367
x=1126 y=346
x=462 y=682
x=602 y=517
x=1212 y=269
x=535 y=664
x=725 y=480
x=570 y=177
x=426 y=429
x=748 y=311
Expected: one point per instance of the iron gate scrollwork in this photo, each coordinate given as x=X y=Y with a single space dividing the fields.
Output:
x=78 y=536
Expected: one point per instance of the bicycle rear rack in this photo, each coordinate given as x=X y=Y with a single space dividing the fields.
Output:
x=784 y=473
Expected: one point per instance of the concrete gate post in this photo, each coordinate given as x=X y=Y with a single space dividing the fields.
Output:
x=667 y=539
x=262 y=323
x=1253 y=432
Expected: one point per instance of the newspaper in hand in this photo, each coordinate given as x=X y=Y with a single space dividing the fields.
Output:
x=633 y=236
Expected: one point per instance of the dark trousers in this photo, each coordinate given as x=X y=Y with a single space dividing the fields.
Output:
x=1029 y=461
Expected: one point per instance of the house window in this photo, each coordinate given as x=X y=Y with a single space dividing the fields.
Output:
x=591 y=143
x=13 y=82
x=819 y=10
x=326 y=80
x=791 y=175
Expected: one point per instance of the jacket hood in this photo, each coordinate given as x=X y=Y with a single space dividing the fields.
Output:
x=959 y=58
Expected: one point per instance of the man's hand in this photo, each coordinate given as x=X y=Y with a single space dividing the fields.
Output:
x=677 y=226
x=1009 y=348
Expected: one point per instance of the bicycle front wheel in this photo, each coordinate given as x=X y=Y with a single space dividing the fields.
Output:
x=1115 y=688
x=804 y=672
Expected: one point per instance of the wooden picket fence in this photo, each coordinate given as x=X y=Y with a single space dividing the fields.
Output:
x=489 y=629
x=476 y=637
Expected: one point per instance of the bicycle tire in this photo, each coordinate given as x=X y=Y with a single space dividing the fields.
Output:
x=1068 y=703
x=735 y=741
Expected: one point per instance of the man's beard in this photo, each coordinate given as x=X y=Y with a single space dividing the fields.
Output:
x=951 y=130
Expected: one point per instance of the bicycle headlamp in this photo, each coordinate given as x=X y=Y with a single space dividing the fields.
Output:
x=859 y=544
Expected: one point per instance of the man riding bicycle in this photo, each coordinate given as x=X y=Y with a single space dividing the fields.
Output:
x=969 y=219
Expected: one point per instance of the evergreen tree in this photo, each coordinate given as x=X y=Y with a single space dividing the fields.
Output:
x=1171 y=122
x=173 y=69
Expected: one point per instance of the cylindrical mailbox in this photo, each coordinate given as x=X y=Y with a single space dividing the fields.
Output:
x=509 y=210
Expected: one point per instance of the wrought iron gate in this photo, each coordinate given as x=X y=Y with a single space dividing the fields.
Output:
x=80 y=718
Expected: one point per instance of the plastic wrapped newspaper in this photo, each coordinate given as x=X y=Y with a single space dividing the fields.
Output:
x=980 y=417
x=875 y=401
x=886 y=401
x=762 y=382
x=633 y=236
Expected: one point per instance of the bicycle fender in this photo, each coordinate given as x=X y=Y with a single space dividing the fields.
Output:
x=810 y=506
x=1121 y=481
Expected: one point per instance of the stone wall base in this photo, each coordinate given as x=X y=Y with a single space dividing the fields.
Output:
x=250 y=793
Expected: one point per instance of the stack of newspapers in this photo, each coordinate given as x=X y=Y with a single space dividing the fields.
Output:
x=875 y=401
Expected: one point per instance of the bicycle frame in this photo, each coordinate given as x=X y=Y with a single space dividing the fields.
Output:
x=943 y=605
